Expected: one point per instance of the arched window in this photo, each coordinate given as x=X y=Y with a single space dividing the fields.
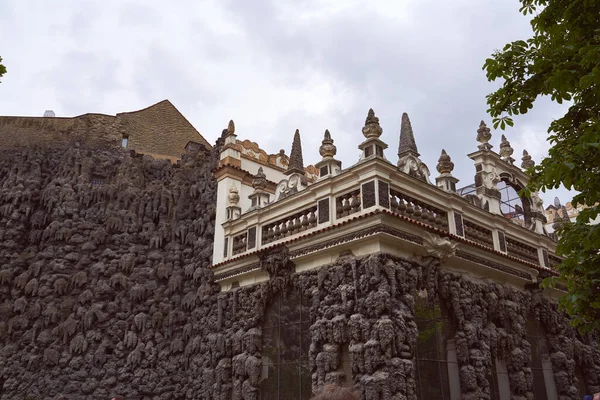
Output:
x=286 y=339
x=511 y=204
x=437 y=367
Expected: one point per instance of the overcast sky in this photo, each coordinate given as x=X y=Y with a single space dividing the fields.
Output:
x=273 y=66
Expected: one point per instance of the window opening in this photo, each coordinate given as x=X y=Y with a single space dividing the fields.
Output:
x=434 y=331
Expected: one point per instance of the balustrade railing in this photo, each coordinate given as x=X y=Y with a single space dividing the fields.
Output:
x=522 y=251
x=347 y=204
x=554 y=261
x=478 y=234
x=290 y=225
x=418 y=210
x=239 y=243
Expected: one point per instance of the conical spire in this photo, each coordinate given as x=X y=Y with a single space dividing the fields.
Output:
x=407 y=139
x=231 y=128
x=296 y=163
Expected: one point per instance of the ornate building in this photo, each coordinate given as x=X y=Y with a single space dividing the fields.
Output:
x=374 y=276
x=235 y=274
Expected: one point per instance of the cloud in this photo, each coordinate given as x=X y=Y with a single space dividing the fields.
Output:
x=273 y=66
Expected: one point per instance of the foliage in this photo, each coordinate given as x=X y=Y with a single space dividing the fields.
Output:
x=561 y=60
x=2 y=68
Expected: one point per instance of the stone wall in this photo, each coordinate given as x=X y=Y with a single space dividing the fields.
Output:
x=104 y=290
x=100 y=282
x=160 y=130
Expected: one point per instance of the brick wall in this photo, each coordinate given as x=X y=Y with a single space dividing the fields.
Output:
x=160 y=130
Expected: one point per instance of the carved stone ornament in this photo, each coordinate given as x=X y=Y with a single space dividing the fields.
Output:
x=260 y=180
x=287 y=187
x=490 y=179
x=413 y=166
x=483 y=136
x=234 y=196
x=439 y=247
x=231 y=128
x=506 y=150
x=527 y=161
x=445 y=164
x=327 y=149
x=372 y=129
x=537 y=204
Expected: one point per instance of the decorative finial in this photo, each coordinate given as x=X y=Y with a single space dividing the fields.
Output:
x=372 y=129
x=327 y=149
x=231 y=128
x=483 y=136
x=234 y=196
x=407 y=138
x=260 y=180
x=445 y=164
x=296 y=163
x=527 y=161
x=506 y=151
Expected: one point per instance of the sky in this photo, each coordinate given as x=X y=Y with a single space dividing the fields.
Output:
x=274 y=66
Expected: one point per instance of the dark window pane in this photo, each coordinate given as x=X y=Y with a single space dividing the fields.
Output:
x=290 y=309
x=306 y=382
x=539 y=385
x=268 y=385
x=271 y=344
x=289 y=381
x=272 y=317
x=535 y=337
x=432 y=380
x=493 y=382
x=289 y=347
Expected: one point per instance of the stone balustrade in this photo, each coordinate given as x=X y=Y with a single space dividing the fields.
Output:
x=290 y=225
x=329 y=202
x=478 y=234
x=418 y=210
x=522 y=251
x=347 y=204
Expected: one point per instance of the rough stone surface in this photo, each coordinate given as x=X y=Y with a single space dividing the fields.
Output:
x=105 y=289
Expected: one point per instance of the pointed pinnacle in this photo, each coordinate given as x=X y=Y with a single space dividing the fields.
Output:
x=296 y=163
x=407 y=138
x=231 y=128
x=327 y=135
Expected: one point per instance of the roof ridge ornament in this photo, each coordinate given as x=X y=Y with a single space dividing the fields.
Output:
x=506 y=150
x=527 y=161
x=259 y=182
x=372 y=129
x=407 y=138
x=296 y=163
x=445 y=164
x=484 y=135
x=327 y=149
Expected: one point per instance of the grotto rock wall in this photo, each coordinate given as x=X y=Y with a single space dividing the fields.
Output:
x=103 y=286
x=104 y=290
x=368 y=305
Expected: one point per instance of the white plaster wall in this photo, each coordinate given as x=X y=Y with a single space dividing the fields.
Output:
x=221 y=215
x=271 y=173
